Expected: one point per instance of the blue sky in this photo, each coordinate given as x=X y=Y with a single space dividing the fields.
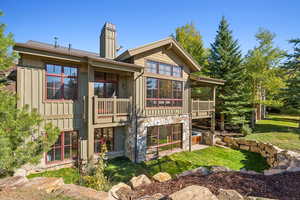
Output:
x=139 y=22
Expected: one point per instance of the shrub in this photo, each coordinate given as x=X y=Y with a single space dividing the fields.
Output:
x=246 y=130
x=95 y=177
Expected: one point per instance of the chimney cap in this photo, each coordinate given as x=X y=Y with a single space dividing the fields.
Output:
x=109 y=25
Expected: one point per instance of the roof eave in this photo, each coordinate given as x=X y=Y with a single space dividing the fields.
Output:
x=75 y=57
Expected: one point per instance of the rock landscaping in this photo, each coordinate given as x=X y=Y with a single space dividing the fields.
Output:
x=221 y=184
x=279 y=159
x=19 y=187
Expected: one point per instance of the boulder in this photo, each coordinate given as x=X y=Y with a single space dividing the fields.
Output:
x=270 y=172
x=244 y=147
x=139 y=181
x=200 y=170
x=229 y=195
x=80 y=192
x=219 y=169
x=47 y=184
x=254 y=148
x=13 y=182
x=157 y=196
x=257 y=198
x=124 y=194
x=293 y=169
x=162 y=177
x=20 y=172
x=113 y=192
x=228 y=140
x=244 y=171
x=193 y=192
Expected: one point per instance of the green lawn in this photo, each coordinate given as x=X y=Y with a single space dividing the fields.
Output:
x=280 y=130
x=121 y=169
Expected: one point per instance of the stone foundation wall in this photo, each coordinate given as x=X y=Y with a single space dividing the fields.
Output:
x=276 y=157
x=143 y=124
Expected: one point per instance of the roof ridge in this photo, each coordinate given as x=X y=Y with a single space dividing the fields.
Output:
x=60 y=46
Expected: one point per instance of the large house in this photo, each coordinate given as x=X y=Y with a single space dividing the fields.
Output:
x=139 y=102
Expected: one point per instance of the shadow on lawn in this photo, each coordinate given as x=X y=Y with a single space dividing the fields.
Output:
x=254 y=161
x=265 y=128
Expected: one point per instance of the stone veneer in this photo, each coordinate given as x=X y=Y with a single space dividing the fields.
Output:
x=143 y=124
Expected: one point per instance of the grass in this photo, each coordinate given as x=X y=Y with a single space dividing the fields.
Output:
x=70 y=175
x=280 y=130
x=122 y=170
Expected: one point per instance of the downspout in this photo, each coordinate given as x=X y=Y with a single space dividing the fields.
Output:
x=136 y=123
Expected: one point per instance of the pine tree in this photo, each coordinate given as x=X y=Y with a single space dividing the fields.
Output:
x=225 y=62
x=292 y=92
x=19 y=142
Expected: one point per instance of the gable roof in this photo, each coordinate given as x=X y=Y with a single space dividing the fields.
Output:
x=170 y=43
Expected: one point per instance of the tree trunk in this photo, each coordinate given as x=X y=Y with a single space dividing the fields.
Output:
x=253 y=117
x=222 y=122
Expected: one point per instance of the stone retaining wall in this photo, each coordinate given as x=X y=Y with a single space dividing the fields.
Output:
x=276 y=157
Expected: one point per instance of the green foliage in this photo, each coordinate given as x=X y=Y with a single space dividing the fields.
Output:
x=246 y=130
x=96 y=177
x=191 y=40
x=19 y=141
x=7 y=56
x=265 y=78
x=291 y=94
x=225 y=62
x=293 y=63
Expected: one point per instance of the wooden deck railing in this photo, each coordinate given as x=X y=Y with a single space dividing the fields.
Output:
x=112 y=109
x=202 y=108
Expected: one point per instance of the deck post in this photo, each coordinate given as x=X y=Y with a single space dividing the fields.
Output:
x=114 y=109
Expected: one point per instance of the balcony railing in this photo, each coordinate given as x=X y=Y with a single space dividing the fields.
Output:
x=202 y=108
x=108 y=110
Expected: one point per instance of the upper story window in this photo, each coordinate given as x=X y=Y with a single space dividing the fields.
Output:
x=164 y=93
x=61 y=82
x=105 y=85
x=163 y=69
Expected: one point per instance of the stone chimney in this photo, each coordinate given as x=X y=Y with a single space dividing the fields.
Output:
x=108 y=41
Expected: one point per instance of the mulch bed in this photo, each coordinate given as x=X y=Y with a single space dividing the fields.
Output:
x=280 y=186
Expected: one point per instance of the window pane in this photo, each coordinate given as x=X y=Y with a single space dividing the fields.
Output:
x=165 y=89
x=177 y=71
x=104 y=136
x=58 y=141
x=54 y=87
x=177 y=90
x=50 y=155
x=99 y=76
x=70 y=71
x=67 y=152
x=177 y=103
x=152 y=67
x=99 y=89
x=110 y=89
x=165 y=69
x=152 y=136
x=67 y=138
x=151 y=103
x=152 y=88
x=74 y=145
x=70 y=86
x=111 y=77
x=57 y=154
x=53 y=69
